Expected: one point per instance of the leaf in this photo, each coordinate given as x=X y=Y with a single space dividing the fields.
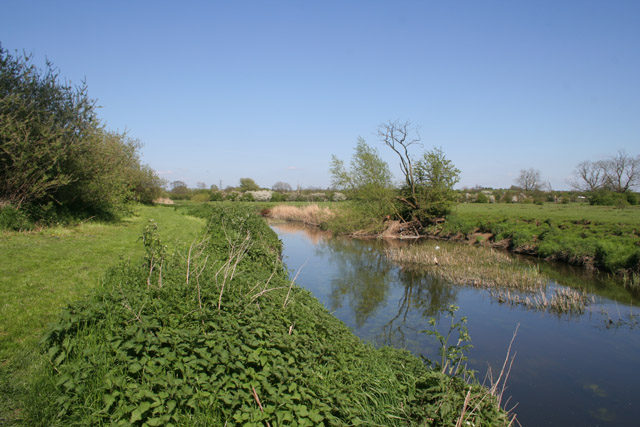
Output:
x=135 y=367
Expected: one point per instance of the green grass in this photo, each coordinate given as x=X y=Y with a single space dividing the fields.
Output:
x=42 y=271
x=596 y=236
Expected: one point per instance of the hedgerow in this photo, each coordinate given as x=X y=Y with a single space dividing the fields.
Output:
x=219 y=335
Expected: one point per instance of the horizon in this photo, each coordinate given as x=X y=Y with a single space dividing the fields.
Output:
x=271 y=90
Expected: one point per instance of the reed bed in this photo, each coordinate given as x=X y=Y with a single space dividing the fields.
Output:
x=310 y=214
x=563 y=300
x=471 y=265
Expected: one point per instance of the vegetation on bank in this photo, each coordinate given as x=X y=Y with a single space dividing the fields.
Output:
x=218 y=334
x=592 y=236
x=57 y=160
x=43 y=271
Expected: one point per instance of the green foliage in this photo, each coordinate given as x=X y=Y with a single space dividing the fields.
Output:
x=608 y=198
x=14 y=219
x=248 y=184
x=367 y=183
x=53 y=148
x=167 y=346
x=435 y=176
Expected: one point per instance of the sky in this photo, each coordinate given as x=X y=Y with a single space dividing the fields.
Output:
x=270 y=90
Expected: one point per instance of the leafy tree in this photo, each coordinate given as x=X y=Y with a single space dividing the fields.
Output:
x=368 y=178
x=435 y=176
x=368 y=183
x=248 y=184
x=179 y=190
x=55 y=155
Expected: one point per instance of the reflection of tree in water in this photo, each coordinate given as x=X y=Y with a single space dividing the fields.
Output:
x=363 y=275
x=366 y=277
x=427 y=294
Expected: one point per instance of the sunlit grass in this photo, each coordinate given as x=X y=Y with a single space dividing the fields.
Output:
x=42 y=271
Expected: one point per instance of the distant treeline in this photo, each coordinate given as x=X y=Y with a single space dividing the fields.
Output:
x=57 y=159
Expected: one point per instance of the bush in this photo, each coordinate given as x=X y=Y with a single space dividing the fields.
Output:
x=54 y=148
x=14 y=219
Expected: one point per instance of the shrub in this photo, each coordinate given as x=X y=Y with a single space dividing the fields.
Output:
x=14 y=219
x=261 y=195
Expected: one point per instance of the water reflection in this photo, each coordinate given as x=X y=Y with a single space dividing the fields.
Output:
x=569 y=370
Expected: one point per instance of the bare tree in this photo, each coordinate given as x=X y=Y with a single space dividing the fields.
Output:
x=281 y=186
x=622 y=172
x=589 y=176
x=529 y=179
x=398 y=136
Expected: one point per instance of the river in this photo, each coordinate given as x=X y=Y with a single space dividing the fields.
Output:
x=569 y=370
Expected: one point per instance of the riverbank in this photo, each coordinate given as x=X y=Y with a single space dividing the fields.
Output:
x=218 y=334
x=594 y=237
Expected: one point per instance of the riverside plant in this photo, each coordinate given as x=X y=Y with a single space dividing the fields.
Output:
x=471 y=265
x=563 y=301
x=310 y=214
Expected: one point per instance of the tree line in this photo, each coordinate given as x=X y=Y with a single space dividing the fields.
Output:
x=57 y=159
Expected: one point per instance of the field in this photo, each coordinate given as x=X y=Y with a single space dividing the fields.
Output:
x=42 y=271
x=603 y=237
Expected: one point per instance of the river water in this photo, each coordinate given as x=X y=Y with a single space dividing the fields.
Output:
x=569 y=370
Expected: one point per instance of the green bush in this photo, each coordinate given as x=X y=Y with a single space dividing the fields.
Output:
x=14 y=219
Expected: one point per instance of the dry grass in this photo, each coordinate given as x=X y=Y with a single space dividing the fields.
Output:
x=471 y=265
x=310 y=214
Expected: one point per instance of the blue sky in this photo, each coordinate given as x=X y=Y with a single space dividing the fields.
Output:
x=219 y=90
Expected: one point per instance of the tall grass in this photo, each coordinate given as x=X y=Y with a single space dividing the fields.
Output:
x=309 y=214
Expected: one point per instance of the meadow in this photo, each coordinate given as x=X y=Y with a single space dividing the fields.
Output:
x=600 y=237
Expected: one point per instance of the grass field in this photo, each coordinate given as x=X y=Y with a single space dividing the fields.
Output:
x=42 y=271
x=595 y=236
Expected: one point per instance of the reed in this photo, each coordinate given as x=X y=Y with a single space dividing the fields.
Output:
x=563 y=301
x=471 y=265
x=310 y=214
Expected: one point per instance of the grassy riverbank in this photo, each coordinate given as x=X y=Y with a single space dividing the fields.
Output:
x=599 y=237
x=42 y=271
x=593 y=236
x=217 y=334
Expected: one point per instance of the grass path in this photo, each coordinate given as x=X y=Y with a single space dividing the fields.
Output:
x=41 y=272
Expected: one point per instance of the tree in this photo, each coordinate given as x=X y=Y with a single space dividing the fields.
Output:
x=281 y=186
x=435 y=177
x=368 y=176
x=428 y=189
x=367 y=181
x=589 y=176
x=529 y=179
x=248 y=184
x=55 y=155
x=179 y=190
x=622 y=172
